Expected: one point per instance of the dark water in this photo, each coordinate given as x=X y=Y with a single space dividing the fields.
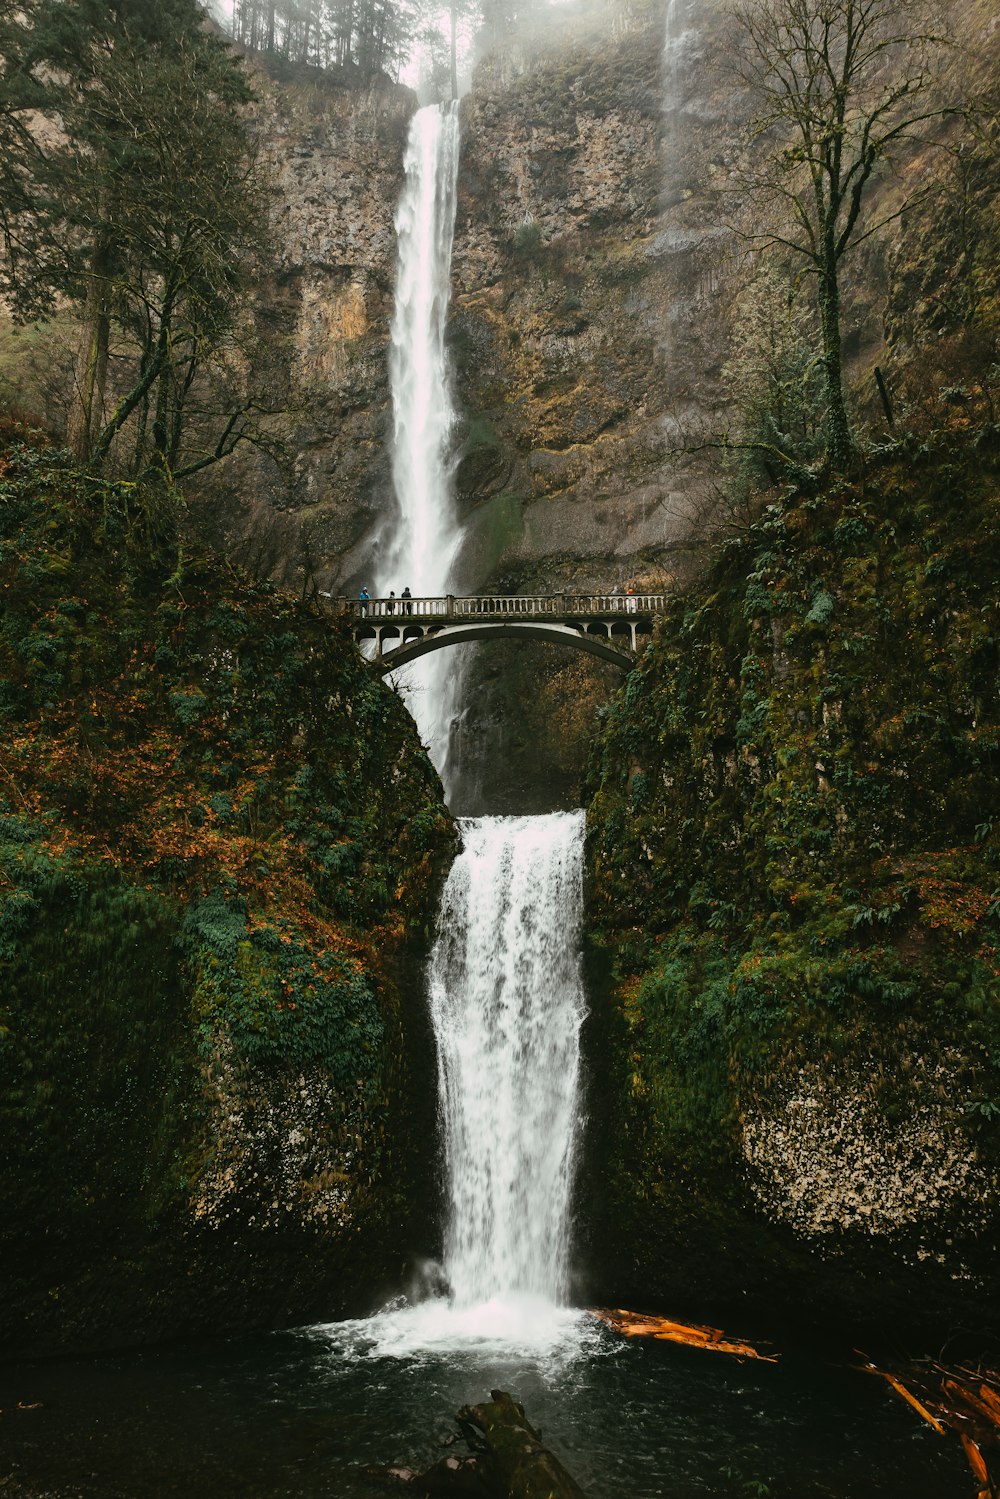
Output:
x=295 y=1413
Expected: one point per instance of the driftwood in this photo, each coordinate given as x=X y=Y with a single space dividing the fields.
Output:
x=963 y=1400
x=508 y=1460
x=712 y=1339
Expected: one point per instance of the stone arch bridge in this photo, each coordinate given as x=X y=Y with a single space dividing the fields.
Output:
x=614 y=626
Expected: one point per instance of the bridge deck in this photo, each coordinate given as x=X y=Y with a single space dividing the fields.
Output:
x=450 y=608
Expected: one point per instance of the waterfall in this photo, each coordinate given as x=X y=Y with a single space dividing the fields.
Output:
x=504 y=980
x=506 y=1004
x=506 y=998
x=505 y=985
x=423 y=538
x=681 y=39
x=420 y=540
x=679 y=34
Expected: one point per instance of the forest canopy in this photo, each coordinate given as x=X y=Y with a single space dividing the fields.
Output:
x=374 y=35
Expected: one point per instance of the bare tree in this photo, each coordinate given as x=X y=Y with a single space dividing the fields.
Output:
x=839 y=84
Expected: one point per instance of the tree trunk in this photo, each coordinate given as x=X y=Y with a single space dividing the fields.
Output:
x=87 y=414
x=124 y=410
x=840 y=449
x=154 y=367
x=514 y=1455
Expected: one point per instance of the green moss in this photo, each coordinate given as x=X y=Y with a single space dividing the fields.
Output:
x=279 y=1002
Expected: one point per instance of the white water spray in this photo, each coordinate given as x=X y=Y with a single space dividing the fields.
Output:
x=420 y=540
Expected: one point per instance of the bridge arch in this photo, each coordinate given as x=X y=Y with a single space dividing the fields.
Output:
x=420 y=641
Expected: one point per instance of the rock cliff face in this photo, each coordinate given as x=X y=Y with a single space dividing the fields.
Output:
x=219 y=853
x=595 y=285
x=302 y=508
x=574 y=272
x=589 y=341
x=594 y=276
x=580 y=255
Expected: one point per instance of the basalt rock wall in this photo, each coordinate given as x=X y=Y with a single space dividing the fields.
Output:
x=298 y=507
x=601 y=248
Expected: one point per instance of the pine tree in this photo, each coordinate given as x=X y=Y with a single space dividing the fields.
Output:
x=373 y=35
x=143 y=210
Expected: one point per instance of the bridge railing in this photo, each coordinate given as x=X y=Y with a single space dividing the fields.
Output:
x=451 y=607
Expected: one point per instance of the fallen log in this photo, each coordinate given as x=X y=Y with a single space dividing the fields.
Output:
x=508 y=1460
x=513 y=1452
x=975 y=1457
x=906 y=1395
x=966 y=1400
x=713 y=1339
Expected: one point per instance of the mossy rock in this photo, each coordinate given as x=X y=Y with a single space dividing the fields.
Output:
x=221 y=845
x=794 y=876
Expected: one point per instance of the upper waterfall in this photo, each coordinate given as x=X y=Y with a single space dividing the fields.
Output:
x=420 y=539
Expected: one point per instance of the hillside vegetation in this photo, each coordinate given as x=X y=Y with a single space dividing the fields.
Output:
x=219 y=844
x=795 y=886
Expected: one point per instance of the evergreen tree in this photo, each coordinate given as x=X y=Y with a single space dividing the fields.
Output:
x=373 y=35
x=142 y=206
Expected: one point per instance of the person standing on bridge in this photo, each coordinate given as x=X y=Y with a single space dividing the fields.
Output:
x=630 y=599
x=407 y=598
x=365 y=599
x=390 y=603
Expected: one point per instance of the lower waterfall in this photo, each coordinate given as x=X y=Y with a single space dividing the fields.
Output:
x=506 y=1003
